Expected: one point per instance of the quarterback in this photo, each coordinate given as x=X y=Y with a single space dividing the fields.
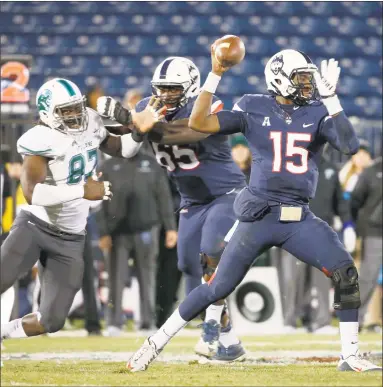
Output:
x=286 y=131
x=58 y=181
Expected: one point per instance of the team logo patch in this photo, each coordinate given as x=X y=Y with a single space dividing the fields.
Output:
x=277 y=64
x=44 y=100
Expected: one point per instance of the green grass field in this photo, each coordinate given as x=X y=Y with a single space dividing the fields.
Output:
x=294 y=360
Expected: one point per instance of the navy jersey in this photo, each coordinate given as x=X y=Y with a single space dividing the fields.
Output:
x=203 y=170
x=286 y=142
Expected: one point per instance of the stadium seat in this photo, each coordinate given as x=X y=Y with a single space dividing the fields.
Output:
x=121 y=43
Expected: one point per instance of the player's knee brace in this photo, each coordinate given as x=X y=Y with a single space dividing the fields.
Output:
x=209 y=264
x=346 y=287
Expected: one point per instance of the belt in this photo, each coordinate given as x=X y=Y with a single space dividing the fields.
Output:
x=53 y=229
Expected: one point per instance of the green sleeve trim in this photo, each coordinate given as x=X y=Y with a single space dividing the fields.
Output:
x=35 y=152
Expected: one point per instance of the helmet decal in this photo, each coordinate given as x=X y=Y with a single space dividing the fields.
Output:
x=165 y=67
x=44 y=100
x=277 y=64
x=68 y=87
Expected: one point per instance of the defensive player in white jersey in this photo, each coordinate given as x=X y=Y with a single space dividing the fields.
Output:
x=60 y=158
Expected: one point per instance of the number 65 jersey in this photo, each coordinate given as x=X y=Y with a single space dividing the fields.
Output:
x=203 y=170
x=71 y=160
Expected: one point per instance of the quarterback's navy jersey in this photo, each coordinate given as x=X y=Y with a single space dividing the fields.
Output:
x=286 y=142
x=203 y=170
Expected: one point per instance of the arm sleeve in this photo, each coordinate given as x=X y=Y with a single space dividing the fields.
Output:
x=164 y=202
x=231 y=122
x=339 y=132
x=37 y=142
x=359 y=195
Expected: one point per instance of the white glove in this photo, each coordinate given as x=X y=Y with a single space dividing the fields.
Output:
x=349 y=239
x=106 y=107
x=326 y=85
x=108 y=193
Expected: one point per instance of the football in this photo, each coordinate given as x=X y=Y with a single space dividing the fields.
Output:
x=229 y=50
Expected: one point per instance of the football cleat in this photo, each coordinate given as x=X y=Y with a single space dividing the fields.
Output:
x=143 y=357
x=209 y=340
x=357 y=363
x=234 y=352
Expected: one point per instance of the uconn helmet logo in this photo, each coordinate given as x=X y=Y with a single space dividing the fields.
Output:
x=277 y=64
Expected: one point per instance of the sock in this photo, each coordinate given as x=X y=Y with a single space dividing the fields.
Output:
x=227 y=338
x=349 y=337
x=213 y=312
x=172 y=325
x=13 y=329
x=7 y=300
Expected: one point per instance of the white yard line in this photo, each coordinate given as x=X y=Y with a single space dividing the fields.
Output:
x=253 y=358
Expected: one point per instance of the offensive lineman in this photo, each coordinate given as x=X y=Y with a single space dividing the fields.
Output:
x=60 y=158
x=208 y=181
x=286 y=131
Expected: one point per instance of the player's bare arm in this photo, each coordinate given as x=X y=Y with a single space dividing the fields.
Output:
x=138 y=124
x=33 y=175
x=200 y=119
x=175 y=133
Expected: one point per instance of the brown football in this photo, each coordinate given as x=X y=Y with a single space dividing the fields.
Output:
x=229 y=50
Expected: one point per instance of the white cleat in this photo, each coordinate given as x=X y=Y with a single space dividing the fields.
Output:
x=143 y=357
x=357 y=363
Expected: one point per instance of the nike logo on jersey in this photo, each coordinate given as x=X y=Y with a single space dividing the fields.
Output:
x=307 y=125
x=296 y=107
x=31 y=223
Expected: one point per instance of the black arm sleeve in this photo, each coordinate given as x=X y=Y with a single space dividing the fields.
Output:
x=339 y=132
x=231 y=122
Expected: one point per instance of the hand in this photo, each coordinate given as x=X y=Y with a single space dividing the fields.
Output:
x=171 y=239
x=327 y=80
x=106 y=107
x=105 y=243
x=145 y=120
x=216 y=67
x=97 y=190
x=349 y=239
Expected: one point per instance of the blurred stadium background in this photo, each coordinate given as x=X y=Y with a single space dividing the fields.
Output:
x=118 y=44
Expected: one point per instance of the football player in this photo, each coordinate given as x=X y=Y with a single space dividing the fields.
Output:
x=59 y=162
x=286 y=131
x=208 y=181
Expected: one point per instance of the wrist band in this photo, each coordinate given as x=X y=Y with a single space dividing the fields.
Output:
x=332 y=104
x=211 y=83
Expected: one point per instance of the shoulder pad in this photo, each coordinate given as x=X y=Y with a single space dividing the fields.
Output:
x=96 y=125
x=249 y=102
x=40 y=141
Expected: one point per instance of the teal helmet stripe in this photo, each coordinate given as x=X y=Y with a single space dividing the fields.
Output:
x=68 y=87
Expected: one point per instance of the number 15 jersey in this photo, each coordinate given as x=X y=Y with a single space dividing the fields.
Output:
x=286 y=142
x=203 y=170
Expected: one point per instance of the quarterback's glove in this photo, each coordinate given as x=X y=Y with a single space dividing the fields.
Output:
x=326 y=85
x=349 y=239
x=110 y=108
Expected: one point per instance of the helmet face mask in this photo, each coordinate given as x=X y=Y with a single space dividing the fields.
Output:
x=72 y=115
x=289 y=74
x=173 y=97
x=174 y=81
x=62 y=107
